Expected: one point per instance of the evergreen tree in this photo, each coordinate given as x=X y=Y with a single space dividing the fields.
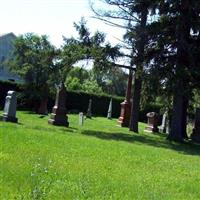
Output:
x=133 y=16
x=174 y=56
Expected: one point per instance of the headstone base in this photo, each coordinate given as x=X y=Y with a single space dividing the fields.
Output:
x=162 y=129
x=58 y=120
x=151 y=129
x=6 y=118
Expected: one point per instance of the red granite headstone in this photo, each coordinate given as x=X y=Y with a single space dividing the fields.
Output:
x=125 y=113
x=59 y=111
x=124 y=118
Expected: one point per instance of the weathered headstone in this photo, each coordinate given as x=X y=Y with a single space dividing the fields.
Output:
x=59 y=111
x=89 y=110
x=109 y=115
x=164 y=126
x=196 y=131
x=152 y=124
x=81 y=119
x=167 y=126
x=9 y=113
x=125 y=112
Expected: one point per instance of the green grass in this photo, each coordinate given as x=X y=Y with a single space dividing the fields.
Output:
x=96 y=161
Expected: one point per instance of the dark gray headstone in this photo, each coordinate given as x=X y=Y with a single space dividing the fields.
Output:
x=89 y=110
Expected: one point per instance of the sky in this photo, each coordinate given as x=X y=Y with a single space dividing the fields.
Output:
x=54 y=18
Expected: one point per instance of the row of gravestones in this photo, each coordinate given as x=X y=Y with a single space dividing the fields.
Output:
x=59 y=114
x=152 y=124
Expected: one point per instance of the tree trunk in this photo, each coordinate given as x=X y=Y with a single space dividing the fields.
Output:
x=140 y=45
x=135 y=106
x=184 y=118
x=177 y=125
x=180 y=102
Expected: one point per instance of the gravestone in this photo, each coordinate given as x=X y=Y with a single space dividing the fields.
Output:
x=9 y=113
x=43 y=107
x=164 y=126
x=167 y=126
x=196 y=131
x=125 y=112
x=152 y=124
x=89 y=110
x=59 y=111
x=81 y=119
x=109 y=115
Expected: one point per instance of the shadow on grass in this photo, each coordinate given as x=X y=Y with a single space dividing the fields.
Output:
x=160 y=141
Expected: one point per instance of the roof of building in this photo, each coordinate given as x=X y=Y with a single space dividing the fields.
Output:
x=6 y=34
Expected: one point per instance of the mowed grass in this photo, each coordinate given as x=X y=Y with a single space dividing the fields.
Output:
x=96 y=161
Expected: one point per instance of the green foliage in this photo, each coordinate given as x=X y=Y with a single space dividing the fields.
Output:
x=80 y=79
x=33 y=60
x=88 y=46
x=173 y=52
x=113 y=81
x=196 y=98
x=91 y=86
x=97 y=161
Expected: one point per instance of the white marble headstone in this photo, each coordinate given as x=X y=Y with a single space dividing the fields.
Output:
x=9 y=113
x=81 y=119
x=164 y=126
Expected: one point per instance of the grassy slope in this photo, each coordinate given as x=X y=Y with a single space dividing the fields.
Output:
x=96 y=161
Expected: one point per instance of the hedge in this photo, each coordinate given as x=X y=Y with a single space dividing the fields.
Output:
x=78 y=102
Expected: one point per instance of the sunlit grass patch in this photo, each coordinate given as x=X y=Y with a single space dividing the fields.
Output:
x=97 y=161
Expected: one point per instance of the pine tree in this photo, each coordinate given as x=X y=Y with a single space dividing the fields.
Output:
x=173 y=52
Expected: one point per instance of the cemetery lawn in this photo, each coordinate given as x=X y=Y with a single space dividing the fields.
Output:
x=96 y=161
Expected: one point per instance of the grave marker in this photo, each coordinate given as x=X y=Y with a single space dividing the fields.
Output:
x=81 y=119
x=152 y=124
x=109 y=115
x=89 y=110
x=59 y=111
x=164 y=126
x=9 y=113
